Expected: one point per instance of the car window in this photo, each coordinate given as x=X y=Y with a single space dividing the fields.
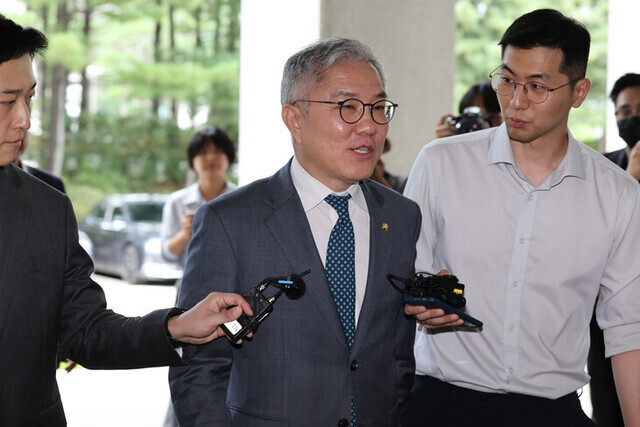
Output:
x=117 y=214
x=100 y=210
x=146 y=212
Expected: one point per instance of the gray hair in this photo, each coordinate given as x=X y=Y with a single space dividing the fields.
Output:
x=305 y=69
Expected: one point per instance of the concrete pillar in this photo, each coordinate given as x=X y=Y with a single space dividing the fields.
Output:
x=413 y=38
x=622 y=57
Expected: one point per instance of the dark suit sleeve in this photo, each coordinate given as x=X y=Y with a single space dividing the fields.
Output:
x=405 y=336
x=94 y=336
x=199 y=390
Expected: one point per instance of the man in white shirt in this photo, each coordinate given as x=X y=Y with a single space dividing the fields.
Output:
x=535 y=224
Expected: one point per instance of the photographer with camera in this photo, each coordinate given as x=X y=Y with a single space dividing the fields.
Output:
x=478 y=109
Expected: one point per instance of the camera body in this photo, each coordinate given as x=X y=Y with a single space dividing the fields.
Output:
x=470 y=120
x=446 y=288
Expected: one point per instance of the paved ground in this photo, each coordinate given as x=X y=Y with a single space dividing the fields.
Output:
x=136 y=397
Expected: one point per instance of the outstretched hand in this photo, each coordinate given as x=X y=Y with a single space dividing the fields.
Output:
x=200 y=325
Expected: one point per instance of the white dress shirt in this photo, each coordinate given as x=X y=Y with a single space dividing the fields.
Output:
x=533 y=260
x=180 y=202
x=322 y=217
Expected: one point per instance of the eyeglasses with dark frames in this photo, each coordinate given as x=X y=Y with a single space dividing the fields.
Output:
x=352 y=109
x=534 y=91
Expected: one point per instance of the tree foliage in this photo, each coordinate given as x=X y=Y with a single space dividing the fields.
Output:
x=134 y=95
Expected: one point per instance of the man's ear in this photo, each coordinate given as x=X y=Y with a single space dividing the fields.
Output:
x=292 y=116
x=580 y=92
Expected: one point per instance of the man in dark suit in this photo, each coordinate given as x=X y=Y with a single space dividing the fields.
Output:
x=47 y=298
x=305 y=365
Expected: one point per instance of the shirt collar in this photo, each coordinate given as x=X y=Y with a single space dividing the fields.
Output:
x=312 y=192
x=193 y=194
x=572 y=165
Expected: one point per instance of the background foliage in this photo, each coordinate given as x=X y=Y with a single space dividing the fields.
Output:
x=125 y=83
x=137 y=78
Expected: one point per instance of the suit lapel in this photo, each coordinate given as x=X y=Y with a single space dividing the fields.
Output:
x=378 y=256
x=14 y=220
x=290 y=229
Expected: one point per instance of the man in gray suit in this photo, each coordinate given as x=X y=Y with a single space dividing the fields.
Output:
x=47 y=298
x=305 y=365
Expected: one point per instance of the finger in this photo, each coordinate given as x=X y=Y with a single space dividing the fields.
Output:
x=430 y=314
x=228 y=315
x=235 y=299
x=442 y=321
x=224 y=300
x=444 y=118
x=412 y=310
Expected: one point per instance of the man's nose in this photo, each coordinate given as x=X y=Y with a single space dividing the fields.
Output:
x=22 y=115
x=519 y=95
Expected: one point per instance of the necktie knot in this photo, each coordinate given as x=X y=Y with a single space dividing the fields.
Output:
x=340 y=204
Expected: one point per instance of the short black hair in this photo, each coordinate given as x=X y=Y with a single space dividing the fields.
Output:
x=628 y=80
x=219 y=138
x=550 y=28
x=18 y=41
x=486 y=92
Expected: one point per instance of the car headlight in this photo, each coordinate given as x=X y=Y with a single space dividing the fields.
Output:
x=153 y=246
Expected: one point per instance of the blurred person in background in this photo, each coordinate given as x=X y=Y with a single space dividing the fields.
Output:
x=626 y=98
x=210 y=152
x=480 y=95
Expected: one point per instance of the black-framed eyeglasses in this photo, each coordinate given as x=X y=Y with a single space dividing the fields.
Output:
x=534 y=91
x=352 y=109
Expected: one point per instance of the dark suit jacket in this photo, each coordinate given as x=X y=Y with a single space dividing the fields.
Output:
x=47 y=299
x=298 y=369
x=619 y=157
x=45 y=176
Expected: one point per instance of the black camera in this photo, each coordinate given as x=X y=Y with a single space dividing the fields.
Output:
x=446 y=288
x=469 y=121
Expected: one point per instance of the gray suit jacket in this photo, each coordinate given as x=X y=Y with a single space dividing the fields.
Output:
x=298 y=369
x=48 y=301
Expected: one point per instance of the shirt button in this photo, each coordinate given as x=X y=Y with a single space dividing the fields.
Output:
x=515 y=284
x=522 y=241
x=354 y=365
x=530 y=196
x=511 y=328
x=343 y=423
x=511 y=371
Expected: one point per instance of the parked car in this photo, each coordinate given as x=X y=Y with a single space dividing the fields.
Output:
x=122 y=235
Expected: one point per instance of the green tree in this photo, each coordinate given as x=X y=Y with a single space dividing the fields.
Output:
x=147 y=72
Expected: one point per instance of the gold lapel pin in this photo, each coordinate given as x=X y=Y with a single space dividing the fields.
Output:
x=384 y=226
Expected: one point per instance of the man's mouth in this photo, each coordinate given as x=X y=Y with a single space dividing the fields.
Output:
x=363 y=150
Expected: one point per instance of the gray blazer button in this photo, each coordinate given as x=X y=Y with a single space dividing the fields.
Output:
x=343 y=423
x=354 y=365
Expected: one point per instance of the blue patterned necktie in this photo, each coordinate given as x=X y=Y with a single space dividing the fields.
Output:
x=341 y=270
x=340 y=265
